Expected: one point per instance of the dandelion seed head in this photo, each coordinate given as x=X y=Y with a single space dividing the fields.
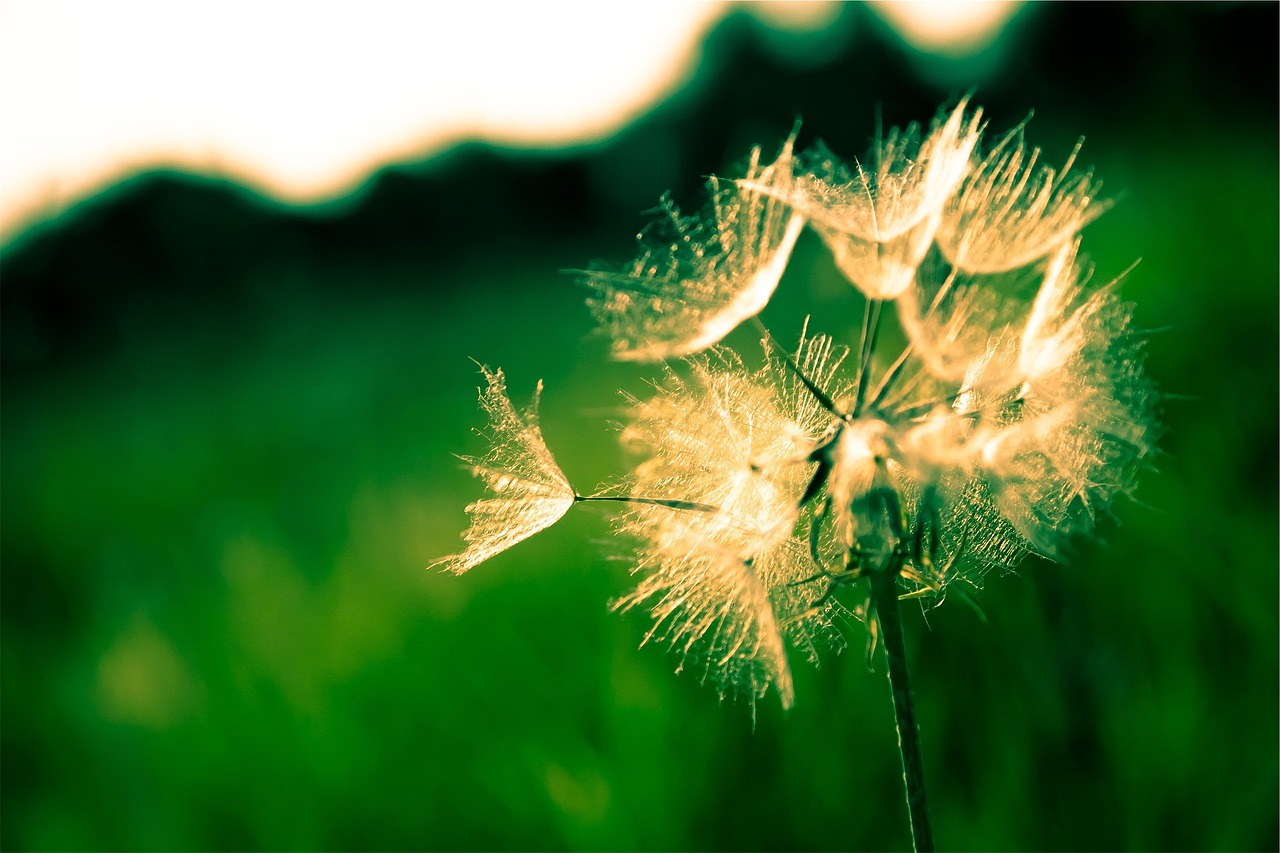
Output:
x=1016 y=413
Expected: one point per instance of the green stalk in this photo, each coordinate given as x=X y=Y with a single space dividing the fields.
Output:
x=884 y=588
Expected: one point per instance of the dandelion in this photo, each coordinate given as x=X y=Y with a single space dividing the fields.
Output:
x=770 y=506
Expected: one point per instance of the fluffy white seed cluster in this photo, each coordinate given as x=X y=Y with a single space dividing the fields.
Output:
x=1014 y=414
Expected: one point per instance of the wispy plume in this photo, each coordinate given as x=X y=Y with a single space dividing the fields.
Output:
x=698 y=277
x=528 y=490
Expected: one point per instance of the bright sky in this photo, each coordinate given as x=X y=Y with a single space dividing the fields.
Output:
x=304 y=99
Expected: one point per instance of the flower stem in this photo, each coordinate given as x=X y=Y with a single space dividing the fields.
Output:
x=870 y=329
x=888 y=614
x=668 y=503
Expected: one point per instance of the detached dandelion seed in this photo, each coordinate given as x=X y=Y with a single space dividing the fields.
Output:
x=530 y=492
x=772 y=505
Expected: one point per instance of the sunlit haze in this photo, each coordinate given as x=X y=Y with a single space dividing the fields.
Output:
x=304 y=100
x=948 y=27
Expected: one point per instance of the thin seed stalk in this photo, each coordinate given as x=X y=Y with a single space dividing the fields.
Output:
x=889 y=616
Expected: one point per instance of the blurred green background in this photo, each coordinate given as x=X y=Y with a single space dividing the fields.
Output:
x=228 y=430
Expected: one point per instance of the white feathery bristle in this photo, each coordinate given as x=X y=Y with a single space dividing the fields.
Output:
x=1012 y=210
x=697 y=278
x=529 y=491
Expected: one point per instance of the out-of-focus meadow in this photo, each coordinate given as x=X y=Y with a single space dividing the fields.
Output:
x=228 y=438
